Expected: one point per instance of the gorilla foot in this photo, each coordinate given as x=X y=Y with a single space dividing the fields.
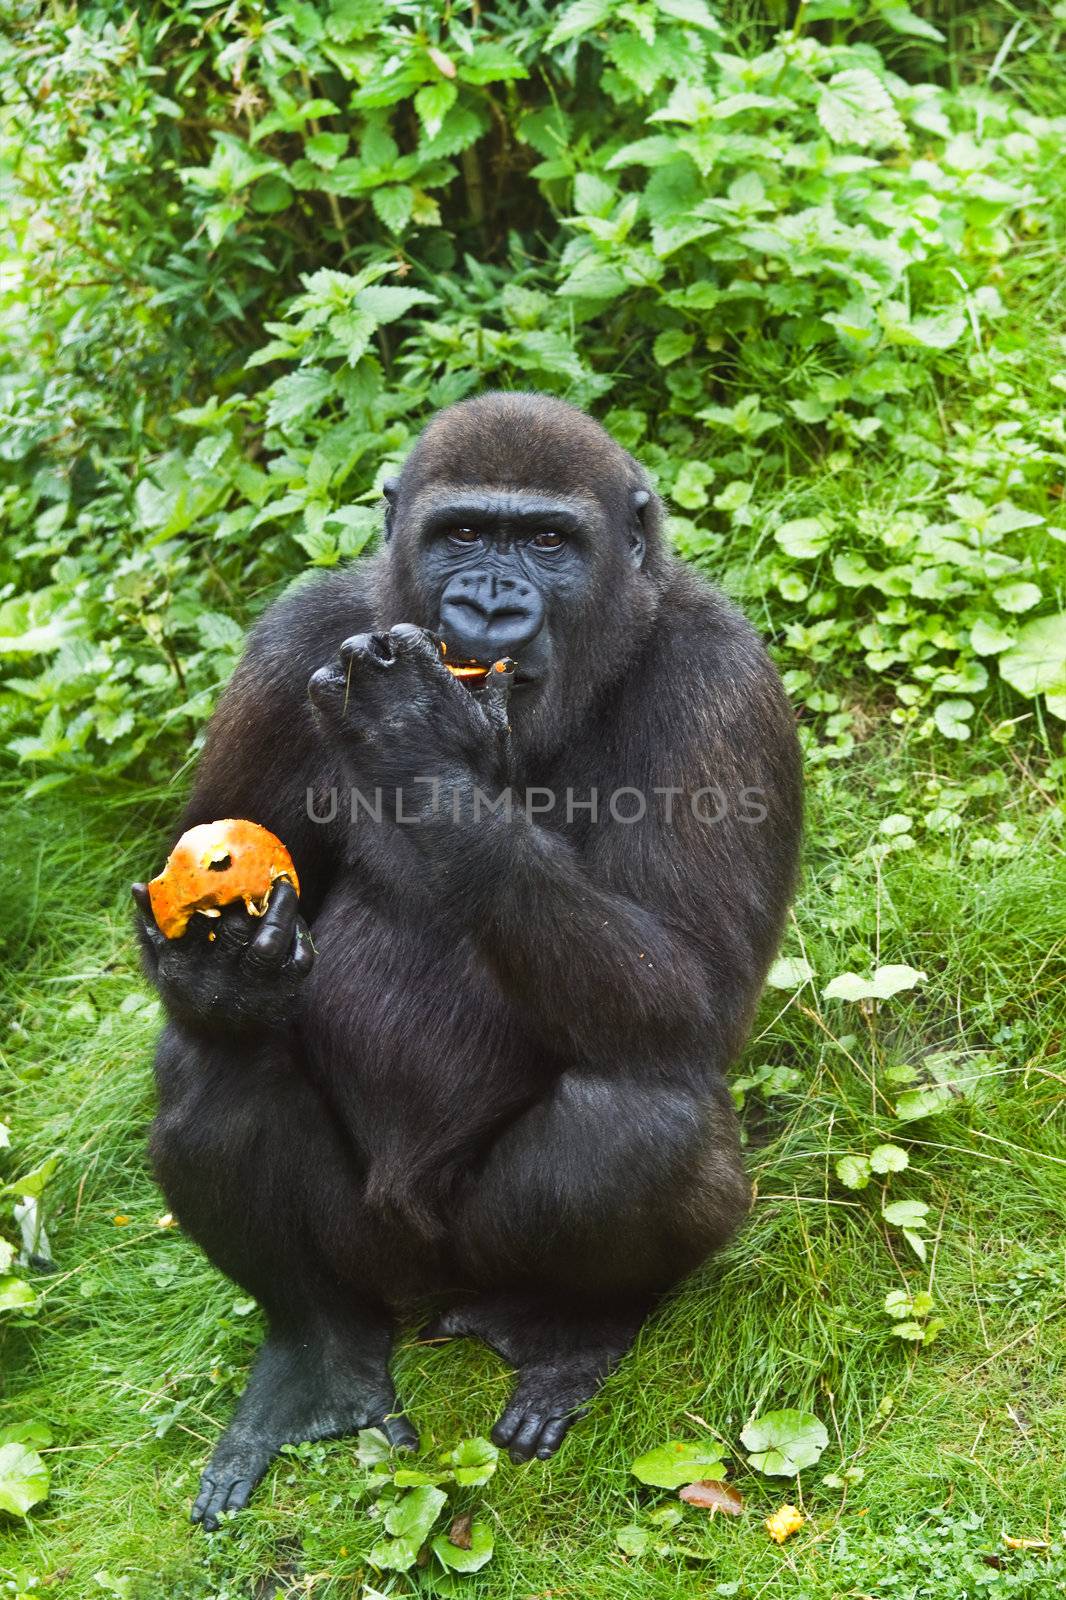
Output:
x=304 y=1386
x=562 y=1357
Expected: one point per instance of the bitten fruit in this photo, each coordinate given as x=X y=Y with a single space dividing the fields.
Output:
x=214 y=865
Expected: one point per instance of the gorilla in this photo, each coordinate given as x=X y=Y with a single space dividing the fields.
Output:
x=477 y=1070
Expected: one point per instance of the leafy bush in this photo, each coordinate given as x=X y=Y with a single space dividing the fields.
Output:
x=251 y=250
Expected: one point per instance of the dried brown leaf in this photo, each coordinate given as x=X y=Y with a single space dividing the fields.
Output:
x=713 y=1495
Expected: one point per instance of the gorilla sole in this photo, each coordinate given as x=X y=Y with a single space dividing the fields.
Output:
x=482 y=1058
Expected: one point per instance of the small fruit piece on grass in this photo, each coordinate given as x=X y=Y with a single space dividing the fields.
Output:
x=214 y=865
x=784 y=1523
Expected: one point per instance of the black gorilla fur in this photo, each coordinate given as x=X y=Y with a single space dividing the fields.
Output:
x=495 y=1080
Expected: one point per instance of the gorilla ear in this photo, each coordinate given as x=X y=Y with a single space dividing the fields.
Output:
x=389 y=487
x=639 y=499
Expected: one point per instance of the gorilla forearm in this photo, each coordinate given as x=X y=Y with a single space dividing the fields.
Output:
x=590 y=964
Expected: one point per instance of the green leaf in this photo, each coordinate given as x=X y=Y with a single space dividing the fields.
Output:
x=694 y=12
x=580 y=17
x=433 y=104
x=24 y=1479
x=679 y=1462
x=1036 y=662
x=372 y=1447
x=903 y=20
x=927 y=1102
x=988 y=640
x=297 y=396
x=33 y=1182
x=782 y=1443
x=409 y=1522
x=16 y=1294
x=906 y=1214
x=952 y=717
x=886 y=982
x=393 y=205
x=385 y=303
x=853 y=1171
x=789 y=972
x=458 y=1559
x=633 y=1540
x=1016 y=597
x=326 y=149
x=886 y=1158
x=671 y=345
x=854 y=107
x=473 y=1461
x=804 y=538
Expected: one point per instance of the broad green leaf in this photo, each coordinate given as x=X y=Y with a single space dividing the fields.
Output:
x=372 y=1447
x=297 y=396
x=458 y=1559
x=433 y=104
x=804 y=538
x=32 y=1183
x=952 y=717
x=782 y=1443
x=473 y=1461
x=385 y=303
x=580 y=17
x=23 y=1479
x=1036 y=662
x=679 y=1462
x=886 y=1158
x=903 y=20
x=853 y=1171
x=927 y=1102
x=394 y=205
x=886 y=982
x=906 y=1214
x=988 y=640
x=671 y=345
x=1017 y=597
x=854 y=107
x=409 y=1523
x=789 y=972
x=633 y=1540
x=16 y=1294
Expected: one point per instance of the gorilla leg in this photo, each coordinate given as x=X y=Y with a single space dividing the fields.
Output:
x=258 y=1173
x=589 y=1205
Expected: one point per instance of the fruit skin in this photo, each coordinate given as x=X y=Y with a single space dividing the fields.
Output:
x=246 y=860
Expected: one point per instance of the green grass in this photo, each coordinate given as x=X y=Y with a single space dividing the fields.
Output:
x=139 y=1348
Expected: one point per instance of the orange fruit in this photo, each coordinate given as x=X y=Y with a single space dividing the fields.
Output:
x=214 y=865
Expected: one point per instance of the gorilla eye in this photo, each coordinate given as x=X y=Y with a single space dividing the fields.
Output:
x=548 y=540
x=463 y=535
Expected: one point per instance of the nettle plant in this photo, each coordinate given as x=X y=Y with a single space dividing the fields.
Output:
x=770 y=260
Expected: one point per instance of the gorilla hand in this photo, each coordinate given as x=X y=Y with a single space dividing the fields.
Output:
x=408 y=730
x=234 y=973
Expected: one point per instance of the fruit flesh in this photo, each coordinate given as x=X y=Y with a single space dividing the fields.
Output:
x=214 y=865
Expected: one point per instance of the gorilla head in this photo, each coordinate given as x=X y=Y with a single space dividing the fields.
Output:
x=519 y=528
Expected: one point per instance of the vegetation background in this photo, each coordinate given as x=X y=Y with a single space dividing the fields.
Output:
x=806 y=262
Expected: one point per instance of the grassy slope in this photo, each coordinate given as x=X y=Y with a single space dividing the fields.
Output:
x=136 y=1325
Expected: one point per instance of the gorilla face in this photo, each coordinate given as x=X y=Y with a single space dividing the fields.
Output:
x=519 y=528
x=504 y=573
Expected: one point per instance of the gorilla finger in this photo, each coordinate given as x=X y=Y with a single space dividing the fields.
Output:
x=142 y=901
x=508 y=1425
x=552 y=1435
x=372 y=651
x=203 y=1500
x=239 y=1494
x=302 y=956
x=400 y=1433
x=410 y=643
x=272 y=940
x=524 y=1442
x=496 y=694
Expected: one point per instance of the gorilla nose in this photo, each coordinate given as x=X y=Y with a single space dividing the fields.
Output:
x=484 y=616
